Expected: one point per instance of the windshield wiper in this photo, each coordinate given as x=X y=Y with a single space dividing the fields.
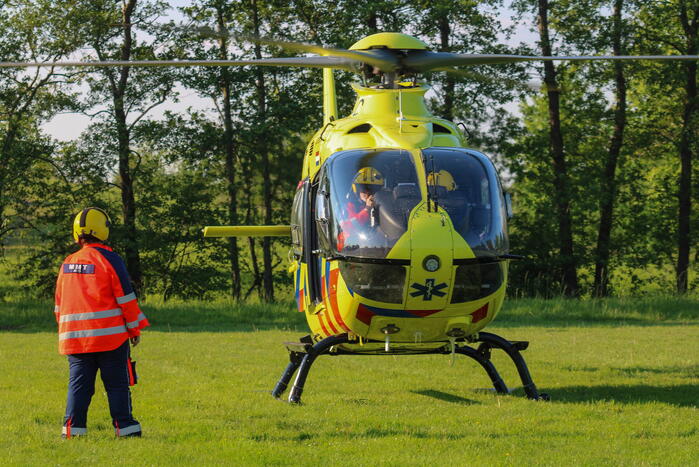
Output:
x=434 y=185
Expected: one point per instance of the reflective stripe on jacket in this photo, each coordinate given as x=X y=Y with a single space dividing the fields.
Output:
x=96 y=307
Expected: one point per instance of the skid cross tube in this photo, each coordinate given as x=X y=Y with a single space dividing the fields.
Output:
x=304 y=353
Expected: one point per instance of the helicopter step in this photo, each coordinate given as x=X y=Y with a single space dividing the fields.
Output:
x=302 y=354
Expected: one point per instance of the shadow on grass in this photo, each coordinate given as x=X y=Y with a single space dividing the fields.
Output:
x=681 y=395
x=446 y=397
x=407 y=432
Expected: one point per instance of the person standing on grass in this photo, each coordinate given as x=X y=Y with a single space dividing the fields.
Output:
x=98 y=315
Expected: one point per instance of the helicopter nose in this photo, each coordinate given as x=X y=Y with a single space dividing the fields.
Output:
x=430 y=280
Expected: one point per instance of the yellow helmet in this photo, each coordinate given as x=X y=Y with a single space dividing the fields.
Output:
x=441 y=178
x=367 y=176
x=91 y=221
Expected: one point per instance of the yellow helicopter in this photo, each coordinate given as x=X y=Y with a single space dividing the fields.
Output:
x=399 y=233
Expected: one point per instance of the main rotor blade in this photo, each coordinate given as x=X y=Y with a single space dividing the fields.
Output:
x=425 y=61
x=379 y=58
x=382 y=59
x=481 y=78
x=312 y=62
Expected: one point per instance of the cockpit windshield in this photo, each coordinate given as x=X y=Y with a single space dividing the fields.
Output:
x=464 y=183
x=372 y=193
x=365 y=197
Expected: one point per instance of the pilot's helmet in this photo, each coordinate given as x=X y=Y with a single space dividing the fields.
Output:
x=441 y=178
x=367 y=179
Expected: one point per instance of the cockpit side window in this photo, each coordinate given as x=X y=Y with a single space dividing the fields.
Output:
x=297 y=221
x=322 y=217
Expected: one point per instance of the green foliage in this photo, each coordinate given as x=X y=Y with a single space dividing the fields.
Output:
x=644 y=234
x=28 y=99
x=177 y=161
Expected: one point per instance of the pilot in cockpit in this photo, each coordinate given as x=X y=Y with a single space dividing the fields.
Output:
x=366 y=183
x=361 y=205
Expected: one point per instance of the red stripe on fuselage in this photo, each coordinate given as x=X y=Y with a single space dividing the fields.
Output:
x=326 y=302
x=479 y=314
x=423 y=313
x=334 y=274
x=322 y=325
x=330 y=322
x=364 y=315
x=301 y=303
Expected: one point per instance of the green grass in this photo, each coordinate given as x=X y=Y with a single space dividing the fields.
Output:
x=647 y=311
x=623 y=376
x=36 y=315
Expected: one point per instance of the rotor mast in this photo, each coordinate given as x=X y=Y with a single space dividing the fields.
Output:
x=329 y=96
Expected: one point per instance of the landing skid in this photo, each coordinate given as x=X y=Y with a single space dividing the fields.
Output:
x=302 y=355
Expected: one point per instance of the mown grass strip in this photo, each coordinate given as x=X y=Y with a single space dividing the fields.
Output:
x=222 y=315
x=609 y=311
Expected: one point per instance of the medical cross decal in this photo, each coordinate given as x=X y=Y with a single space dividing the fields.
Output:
x=428 y=290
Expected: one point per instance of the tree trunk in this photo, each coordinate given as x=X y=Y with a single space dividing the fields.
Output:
x=685 y=148
x=256 y=279
x=372 y=21
x=449 y=82
x=133 y=258
x=229 y=149
x=267 y=282
x=560 y=175
x=609 y=176
x=255 y=271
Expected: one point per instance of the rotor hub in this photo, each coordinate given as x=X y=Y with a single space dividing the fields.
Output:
x=389 y=40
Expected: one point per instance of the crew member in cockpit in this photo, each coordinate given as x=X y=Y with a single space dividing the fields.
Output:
x=360 y=210
x=366 y=183
x=441 y=179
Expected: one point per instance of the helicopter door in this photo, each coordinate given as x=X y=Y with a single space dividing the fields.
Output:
x=297 y=213
x=311 y=249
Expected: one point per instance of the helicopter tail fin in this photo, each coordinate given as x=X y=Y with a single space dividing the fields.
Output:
x=248 y=231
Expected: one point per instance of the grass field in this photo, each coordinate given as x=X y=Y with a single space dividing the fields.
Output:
x=623 y=376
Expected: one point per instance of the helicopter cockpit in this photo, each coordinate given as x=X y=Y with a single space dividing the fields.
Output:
x=371 y=195
x=464 y=183
x=365 y=199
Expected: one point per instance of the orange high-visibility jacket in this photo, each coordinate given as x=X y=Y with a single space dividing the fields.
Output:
x=96 y=307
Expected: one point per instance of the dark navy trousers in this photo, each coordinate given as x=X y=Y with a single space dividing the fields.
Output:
x=113 y=367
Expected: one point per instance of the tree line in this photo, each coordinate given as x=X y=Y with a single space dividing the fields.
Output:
x=598 y=155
